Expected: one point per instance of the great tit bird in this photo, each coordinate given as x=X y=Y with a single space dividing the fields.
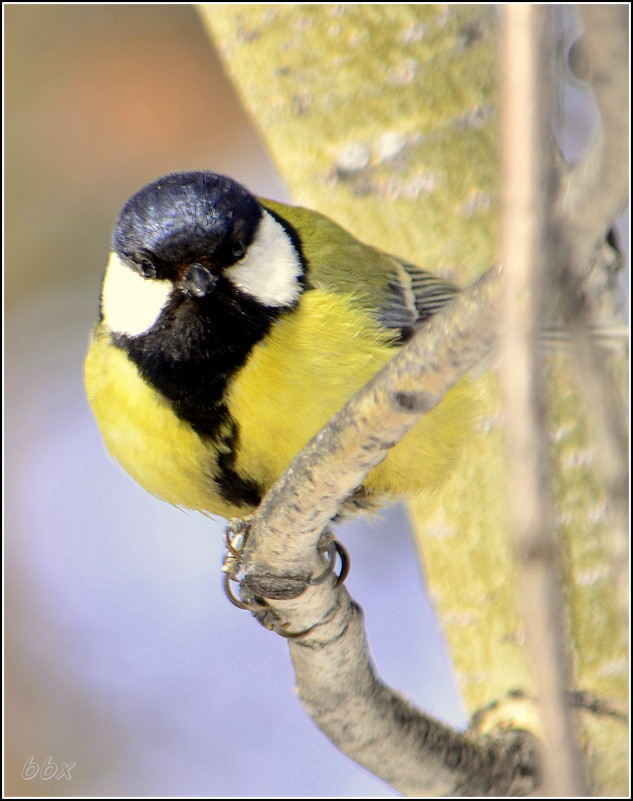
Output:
x=231 y=328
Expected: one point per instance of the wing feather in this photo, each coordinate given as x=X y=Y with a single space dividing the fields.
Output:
x=414 y=295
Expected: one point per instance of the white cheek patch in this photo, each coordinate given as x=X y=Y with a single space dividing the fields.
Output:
x=271 y=269
x=131 y=304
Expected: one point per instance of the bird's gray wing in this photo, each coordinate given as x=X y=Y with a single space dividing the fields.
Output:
x=414 y=295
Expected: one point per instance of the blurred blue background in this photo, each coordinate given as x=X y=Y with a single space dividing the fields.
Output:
x=123 y=655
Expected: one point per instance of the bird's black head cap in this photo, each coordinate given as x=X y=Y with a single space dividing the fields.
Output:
x=187 y=217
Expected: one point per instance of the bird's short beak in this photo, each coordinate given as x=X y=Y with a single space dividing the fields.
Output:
x=198 y=281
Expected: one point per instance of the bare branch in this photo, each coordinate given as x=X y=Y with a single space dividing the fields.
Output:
x=403 y=746
x=336 y=681
x=529 y=184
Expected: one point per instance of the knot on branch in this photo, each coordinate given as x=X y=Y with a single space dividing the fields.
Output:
x=265 y=583
x=414 y=401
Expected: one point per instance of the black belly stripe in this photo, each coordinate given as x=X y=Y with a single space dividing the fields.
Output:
x=233 y=487
x=191 y=368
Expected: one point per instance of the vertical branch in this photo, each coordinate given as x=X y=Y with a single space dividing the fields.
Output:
x=529 y=193
x=593 y=195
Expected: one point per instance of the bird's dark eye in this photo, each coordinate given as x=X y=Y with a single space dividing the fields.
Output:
x=238 y=249
x=147 y=268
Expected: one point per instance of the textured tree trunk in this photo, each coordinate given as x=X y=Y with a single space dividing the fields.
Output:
x=385 y=117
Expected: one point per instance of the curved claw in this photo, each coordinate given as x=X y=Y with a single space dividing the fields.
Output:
x=334 y=548
x=345 y=563
x=226 y=584
x=250 y=606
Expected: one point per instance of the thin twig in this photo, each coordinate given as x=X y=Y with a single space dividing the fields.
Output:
x=528 y=193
